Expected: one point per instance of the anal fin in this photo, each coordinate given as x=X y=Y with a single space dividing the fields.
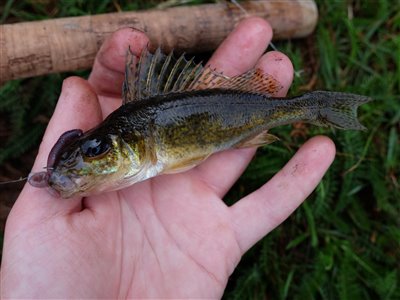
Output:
x=264 y=138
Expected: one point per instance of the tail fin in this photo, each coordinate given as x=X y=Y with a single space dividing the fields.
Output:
x=337 y=109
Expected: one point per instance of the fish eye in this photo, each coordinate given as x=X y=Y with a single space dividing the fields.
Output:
x=95 y=147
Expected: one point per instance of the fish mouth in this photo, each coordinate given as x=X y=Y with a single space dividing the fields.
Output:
x=62 y=185
x=57 y=185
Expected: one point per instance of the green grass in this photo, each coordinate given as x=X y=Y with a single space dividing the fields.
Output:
x=343 y=243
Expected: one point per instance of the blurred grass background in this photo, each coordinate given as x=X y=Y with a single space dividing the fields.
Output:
x=344 y=242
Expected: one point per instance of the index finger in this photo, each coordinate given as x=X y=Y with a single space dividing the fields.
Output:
x=241 y=50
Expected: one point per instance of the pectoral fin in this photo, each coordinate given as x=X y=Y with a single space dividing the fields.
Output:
x=185 y=165
x=264 y=138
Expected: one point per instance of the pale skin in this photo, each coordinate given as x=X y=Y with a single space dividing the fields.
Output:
x=170 y=236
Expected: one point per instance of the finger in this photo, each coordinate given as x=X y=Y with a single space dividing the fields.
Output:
x=278 y=65
x=232 y=163
x=243 y=47
x=77 y=107
x=109 y=66
x=260 y=212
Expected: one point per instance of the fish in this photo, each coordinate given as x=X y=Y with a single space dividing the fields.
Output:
x=175 y=113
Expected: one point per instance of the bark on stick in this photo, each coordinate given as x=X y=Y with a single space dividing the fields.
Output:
x=67 y=44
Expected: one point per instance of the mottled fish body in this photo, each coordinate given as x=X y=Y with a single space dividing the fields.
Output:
x=174 y=115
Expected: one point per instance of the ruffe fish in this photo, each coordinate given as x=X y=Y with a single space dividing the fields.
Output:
x=176 y=113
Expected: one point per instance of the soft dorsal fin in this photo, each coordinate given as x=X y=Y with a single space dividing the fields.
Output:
x=254 y=81
x=156 y=74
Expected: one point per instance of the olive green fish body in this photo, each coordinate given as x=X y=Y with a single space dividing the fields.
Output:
x=175 y=114
x=182 y=129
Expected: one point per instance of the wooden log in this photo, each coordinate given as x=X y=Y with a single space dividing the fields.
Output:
x=67 y=44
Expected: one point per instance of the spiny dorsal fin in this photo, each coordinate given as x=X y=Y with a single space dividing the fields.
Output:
x=208 y=79
x=158 y=74
x=129 y=85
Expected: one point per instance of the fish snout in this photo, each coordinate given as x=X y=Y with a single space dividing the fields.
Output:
x=61 y=183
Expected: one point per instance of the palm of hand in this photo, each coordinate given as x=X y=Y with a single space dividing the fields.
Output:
x=171 y=236
x=152 y=239
x=187 y=245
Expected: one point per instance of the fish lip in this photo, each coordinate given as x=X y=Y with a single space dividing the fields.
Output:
x=52 y=191
x=39 y=179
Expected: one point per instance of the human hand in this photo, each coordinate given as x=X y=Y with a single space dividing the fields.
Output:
x=170 y=236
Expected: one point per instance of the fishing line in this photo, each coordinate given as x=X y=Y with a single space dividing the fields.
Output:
x=23 y=178
x=14 y=181
x=246 y=13
x=240 y=7
x=297 y=73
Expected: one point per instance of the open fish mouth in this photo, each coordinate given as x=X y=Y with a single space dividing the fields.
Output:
x=54 y=181
x=56 y=184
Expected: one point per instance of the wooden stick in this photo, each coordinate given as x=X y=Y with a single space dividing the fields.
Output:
x=67 y=44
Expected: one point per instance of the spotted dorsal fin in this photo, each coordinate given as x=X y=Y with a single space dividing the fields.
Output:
x=254 y=81
x=157 y=74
